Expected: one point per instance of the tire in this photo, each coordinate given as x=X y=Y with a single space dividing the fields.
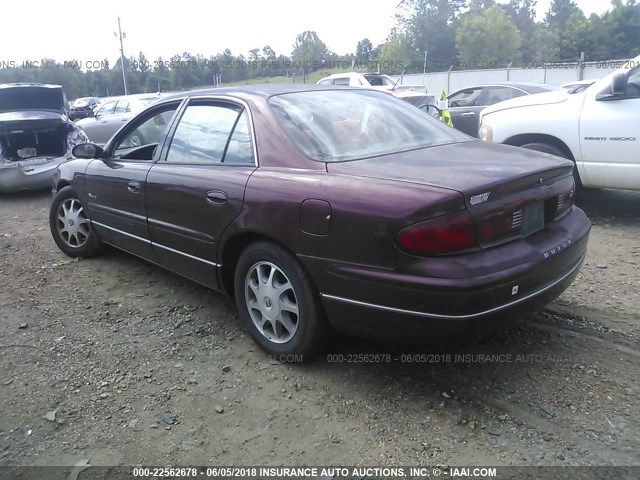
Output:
x=553 y=150
x=136 y=139
x=69 y=226
x=284 y=334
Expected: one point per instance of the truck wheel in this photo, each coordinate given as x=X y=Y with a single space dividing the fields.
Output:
x=553 y=150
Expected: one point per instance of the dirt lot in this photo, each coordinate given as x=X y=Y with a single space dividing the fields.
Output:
x=134 y=365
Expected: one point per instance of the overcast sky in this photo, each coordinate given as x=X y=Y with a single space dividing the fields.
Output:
x=84 y=30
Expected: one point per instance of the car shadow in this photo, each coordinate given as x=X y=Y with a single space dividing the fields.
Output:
x=615 y=207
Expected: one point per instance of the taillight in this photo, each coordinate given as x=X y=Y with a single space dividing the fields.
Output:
x=447 y=234
x=565 y=202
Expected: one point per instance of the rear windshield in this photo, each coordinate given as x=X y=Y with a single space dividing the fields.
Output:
x=339 y=125
x=31 y=98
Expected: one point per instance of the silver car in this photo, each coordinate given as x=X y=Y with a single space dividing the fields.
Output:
x=113 y=113
x=36 y=135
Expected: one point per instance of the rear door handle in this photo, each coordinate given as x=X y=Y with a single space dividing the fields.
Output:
x=133 y=186
x=467 y=114
x=217 y=197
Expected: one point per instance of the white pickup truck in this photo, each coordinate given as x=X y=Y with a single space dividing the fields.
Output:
x=598 y=128
x=414 y=94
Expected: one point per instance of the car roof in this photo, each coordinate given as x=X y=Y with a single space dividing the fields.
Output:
x=263 y=90
x=27 y=84
x=527 y=86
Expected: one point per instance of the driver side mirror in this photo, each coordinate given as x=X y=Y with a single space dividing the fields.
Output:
x=617 y=89
x=87 y=150
x=619 y=83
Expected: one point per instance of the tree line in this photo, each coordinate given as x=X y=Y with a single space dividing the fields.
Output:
x=449 y=33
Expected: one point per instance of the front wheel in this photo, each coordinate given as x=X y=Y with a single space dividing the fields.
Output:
x=553 y=150
x=70 y=228
x=277 y=300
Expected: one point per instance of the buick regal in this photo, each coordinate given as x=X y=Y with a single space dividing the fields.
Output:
x=321 y=207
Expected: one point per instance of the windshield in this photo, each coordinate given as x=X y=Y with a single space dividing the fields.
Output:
x=338 y=125
x=31 y=98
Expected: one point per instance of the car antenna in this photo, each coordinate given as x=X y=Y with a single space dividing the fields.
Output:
x=401 y=75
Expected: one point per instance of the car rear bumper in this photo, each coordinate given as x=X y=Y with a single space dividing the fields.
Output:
x=15 y=178
x=389 y=304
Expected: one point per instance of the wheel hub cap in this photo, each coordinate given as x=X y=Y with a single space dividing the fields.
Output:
x=271 y=302
x=72 y=225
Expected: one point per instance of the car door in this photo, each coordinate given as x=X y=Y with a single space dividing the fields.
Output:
x=610 y=136
x=197 y=188
x=94 y=126
x=465 y=108
x=116 y=184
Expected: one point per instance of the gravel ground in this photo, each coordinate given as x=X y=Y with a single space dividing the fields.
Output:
x=117 y=361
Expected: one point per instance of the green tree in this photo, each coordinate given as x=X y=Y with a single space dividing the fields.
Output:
x=523 y=14
x=430 y=26
x=396 y=54
x=489 y=36
x=559 y=12
x=620 y=29
x=545 y=44
x=308 y=48
x=364 y=50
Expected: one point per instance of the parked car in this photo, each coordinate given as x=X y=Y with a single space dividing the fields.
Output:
x=322 y=206
x=83 y=107
x=112 y=114
x=466 y=104
x=36 y=135
x=414 y=94
x=596 y=128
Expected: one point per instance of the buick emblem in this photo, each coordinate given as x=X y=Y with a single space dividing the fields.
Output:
x=541 y=181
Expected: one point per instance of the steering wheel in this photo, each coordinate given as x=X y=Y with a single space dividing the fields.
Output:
x=431 y=109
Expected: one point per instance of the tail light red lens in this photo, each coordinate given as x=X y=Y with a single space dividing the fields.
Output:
x=448 y=234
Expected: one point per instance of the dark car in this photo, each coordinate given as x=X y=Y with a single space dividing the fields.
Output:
x=320 y=206
x=83 y=107
x=465 y=105
x=36 y=135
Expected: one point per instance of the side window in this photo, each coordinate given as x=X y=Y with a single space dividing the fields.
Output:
x=142 y=138
x=326 y=81
x=202 y=134
x=465 y=98
x=240 y=148
x=341 y=81
x=107 y=108
x=500 y=94
x=122 y=107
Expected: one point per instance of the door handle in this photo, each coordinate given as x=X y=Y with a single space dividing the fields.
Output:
x=467 y=114
x=134 y=186
x=217 y=197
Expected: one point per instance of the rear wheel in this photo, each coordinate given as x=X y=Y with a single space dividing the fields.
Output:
x=277 y=300
x=70 y=228
x=553 y=150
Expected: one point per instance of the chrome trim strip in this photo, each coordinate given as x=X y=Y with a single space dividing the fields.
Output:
x=456 y=317
x=154 y=244
x=185 y=254
x=130 y=235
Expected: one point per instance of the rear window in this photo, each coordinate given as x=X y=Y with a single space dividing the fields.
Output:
x=31 y=98
x=340 y=125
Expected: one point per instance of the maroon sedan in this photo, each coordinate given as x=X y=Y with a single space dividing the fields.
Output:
x=319 y=206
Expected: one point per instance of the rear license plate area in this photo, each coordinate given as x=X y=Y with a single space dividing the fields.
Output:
x=533 y=218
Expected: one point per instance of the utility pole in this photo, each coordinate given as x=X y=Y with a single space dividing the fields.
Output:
x=304 y=72
x=124 y=77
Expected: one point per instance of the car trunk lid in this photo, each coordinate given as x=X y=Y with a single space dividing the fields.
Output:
x=510 y=192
